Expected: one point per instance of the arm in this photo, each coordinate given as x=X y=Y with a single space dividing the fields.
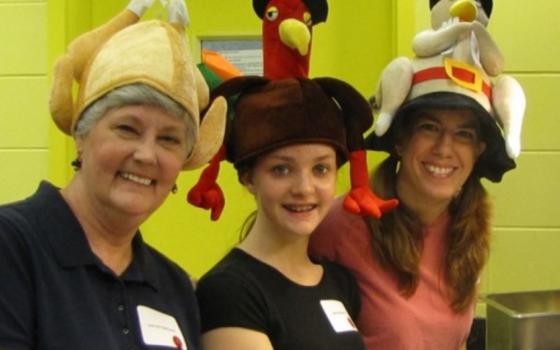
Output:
x=491 y=57
x=234 y=338
x=232 y=312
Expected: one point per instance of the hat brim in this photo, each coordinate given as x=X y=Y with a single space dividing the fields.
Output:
x=491 y=164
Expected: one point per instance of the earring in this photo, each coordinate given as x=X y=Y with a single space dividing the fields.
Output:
x=174 y=189
x=76 y=164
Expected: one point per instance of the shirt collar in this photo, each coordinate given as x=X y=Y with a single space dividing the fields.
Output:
x=143 y=266
x=70 y=246
x=63 y=231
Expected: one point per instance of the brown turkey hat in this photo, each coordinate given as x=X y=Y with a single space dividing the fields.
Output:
x=271 y=114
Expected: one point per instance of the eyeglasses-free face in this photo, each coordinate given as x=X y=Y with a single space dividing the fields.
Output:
x=131 y=159
x=294 y=187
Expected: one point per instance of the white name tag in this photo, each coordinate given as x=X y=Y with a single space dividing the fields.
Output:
x=160 y=329
x=338 y=316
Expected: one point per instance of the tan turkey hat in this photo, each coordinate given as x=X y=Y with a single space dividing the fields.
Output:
x=124 y=51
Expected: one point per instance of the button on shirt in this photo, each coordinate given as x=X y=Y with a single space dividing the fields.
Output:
x=56 y=294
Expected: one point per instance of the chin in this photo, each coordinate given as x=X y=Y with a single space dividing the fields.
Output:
x=304 y=229
x=135 y=205
x=442 y=196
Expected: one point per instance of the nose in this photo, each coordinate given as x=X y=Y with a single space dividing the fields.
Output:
x=302 y=184
x=146 y=152
x=443 y=144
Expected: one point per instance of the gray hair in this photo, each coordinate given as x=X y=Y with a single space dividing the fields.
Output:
x=134 y=94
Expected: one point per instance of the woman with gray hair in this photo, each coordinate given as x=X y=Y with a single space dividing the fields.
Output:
x=75 y=271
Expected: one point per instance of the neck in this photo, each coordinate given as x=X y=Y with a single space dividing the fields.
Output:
x=286 y=253
x=425 y=209
x=109 y=237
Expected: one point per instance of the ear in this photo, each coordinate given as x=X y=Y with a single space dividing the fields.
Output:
x=480 y=149
x=251 y=188
x=246 y=178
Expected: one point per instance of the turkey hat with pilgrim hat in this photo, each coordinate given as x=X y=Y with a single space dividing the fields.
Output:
x=457 y=66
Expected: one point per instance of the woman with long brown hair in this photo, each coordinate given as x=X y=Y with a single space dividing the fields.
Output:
x=418 y=266
x=446 y=124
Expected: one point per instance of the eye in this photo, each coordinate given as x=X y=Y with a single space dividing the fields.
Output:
x=280 y=170
x=271 y=13
x=428 y=126
x=307 y=19
x=127 y=130
x=171 y=139
x=321 y=169
x=466 y=135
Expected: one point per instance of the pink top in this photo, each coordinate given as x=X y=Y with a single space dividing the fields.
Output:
x=388 y=320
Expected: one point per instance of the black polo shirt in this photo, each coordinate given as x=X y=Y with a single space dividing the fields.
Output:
x=56 y=294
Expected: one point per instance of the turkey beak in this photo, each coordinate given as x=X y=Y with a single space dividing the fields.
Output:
x=466 y=10
x=295 y=35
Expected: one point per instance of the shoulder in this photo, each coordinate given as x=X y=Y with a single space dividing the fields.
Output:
x=17 y=223
x=339 y=274
x=339 y=222
x=163 y=271
x=234 y=271
x=15 y=214
x=338 y=233
x=18 y=238
x=231 y=295
x=25 y=216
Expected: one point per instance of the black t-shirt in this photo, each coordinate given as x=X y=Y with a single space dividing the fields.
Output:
x=56 y=294
x=241 y=291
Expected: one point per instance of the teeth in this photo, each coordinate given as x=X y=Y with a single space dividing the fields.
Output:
x=137 y=179
x=438 y=170
x=300 y=208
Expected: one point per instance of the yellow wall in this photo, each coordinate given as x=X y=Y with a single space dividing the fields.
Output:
x=23 y=87
x=527 y=220
x=359 y=38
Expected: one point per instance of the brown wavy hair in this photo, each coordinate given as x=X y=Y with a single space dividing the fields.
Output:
x=398 y=241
